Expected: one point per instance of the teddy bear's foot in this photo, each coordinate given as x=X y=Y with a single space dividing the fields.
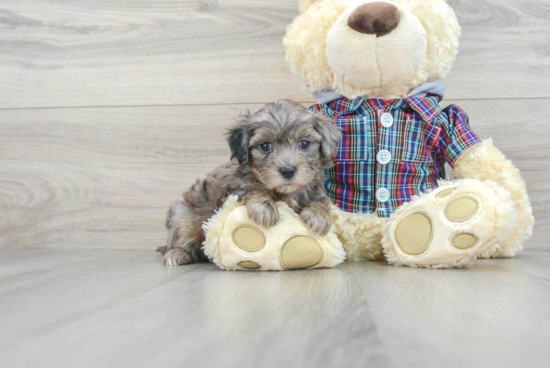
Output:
x=450 y=226
x=235 y=242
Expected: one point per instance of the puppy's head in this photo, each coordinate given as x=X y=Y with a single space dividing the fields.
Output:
x=285 y=145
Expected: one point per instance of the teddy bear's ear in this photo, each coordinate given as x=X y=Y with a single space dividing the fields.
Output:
x=304 y=4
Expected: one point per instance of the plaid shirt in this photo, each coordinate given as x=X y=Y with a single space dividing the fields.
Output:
x=421 y=137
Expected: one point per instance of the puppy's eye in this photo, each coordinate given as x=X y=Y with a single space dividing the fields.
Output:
x=304 y=144
x=266 y=147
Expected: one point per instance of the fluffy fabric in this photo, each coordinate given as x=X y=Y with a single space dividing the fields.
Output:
x=360 y=233
x=306 y=45
x=485 y=162
x=220 y=248
x=368 y=61
x=304 y=4
x=214 y=230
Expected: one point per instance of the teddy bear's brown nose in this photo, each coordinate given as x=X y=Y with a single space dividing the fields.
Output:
x=378 y=18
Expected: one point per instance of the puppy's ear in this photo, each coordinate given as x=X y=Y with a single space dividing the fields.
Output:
x=238 y=138
x=330 y=133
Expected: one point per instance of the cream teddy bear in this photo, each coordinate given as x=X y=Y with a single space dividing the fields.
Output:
x=376 y=69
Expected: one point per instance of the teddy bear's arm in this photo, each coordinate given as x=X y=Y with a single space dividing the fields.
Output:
x=483 y=161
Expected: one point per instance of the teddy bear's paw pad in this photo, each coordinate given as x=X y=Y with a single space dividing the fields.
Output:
x=445 y=192
x=248 y=238
x=414 y=233
x=249 y=265
x=301 y=251
x=461 y=209
x=464 y=241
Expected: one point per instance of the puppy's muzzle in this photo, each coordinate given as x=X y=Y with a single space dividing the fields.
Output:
x=288 y=171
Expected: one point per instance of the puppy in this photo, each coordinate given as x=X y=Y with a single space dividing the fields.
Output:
x=279 y=153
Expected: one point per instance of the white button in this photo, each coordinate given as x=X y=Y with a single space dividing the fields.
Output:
x=386 y=120
x=382 y=195
x=383 y=157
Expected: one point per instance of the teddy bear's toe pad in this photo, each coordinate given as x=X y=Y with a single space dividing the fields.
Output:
x=464 y=241
x=249 y=265
x=248 y=238
x=414 y=233
x=445 y=192
x=461 y=209
x=301 y=252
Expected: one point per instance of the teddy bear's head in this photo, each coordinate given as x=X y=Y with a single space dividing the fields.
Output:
x=371 y=48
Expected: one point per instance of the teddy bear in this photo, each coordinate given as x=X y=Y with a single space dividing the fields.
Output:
x=376 y=68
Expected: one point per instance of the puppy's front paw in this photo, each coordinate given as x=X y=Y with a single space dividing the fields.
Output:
x=317 y=219
x=263 y=213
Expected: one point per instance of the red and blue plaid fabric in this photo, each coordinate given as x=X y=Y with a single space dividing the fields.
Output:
x=421 y=138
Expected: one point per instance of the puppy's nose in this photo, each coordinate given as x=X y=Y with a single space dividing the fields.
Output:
x=288 y=171
x=378 y=18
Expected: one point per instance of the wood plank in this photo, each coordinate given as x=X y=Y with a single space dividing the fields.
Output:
x=136 y=52
x=504 y=51
x=87 y=178
x=124 y=309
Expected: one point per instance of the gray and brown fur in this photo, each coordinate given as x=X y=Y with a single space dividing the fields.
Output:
x=260 y=178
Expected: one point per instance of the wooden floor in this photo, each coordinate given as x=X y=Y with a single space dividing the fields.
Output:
x=124 y=309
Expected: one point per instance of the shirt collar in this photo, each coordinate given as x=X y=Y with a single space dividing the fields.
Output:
x=432 y=88
x=424 y=100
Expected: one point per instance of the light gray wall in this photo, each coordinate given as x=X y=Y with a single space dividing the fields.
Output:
x=108 y=110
